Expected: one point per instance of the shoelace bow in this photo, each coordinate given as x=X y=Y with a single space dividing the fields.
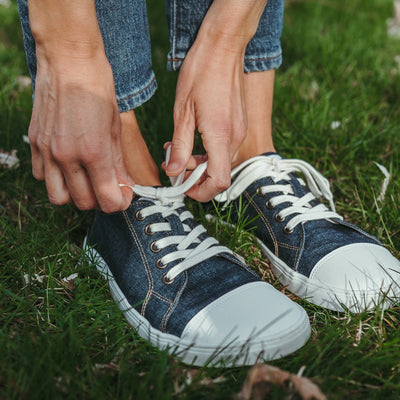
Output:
x=190 y=249
x=279 y=169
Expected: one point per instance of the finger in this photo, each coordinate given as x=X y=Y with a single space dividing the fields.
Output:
x=196 y=160
x=182 y=140
x=166 y=145
x=218 y=174
x=33 y=133
x=37 y=163
x=80 y=187
x=106 y=170
x=57 y=190
x=193 y=163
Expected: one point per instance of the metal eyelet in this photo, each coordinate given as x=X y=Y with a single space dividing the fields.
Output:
x=159 y=264
x=166 y=280
x=139 y=216
x=269 y=205
x=259 y=192
x=154 y=248
x=287 y=230
x=278 y=218
x=148 y=231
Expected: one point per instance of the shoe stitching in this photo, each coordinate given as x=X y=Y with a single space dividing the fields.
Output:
x=264 y=219
x=300 y=250
x=160 y=297
x=238 y=263
x=175 y=303
x=288 y=246
x=144 y=261
x=359 y=230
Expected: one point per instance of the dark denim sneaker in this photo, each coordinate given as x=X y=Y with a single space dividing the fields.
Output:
x=314 y=252
x=183 y=291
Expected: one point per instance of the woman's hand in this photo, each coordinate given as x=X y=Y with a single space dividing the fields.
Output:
x=75 y=125
x=210 y=95
x=75 y=135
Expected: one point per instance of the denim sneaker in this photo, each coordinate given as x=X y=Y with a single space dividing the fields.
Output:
x=183 y=291
x=313 y=252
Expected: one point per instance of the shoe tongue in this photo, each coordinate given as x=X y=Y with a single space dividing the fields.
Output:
x=298 y=188
x=142 y=198
x=271 y=154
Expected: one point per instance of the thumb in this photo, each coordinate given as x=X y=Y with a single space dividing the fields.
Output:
x=124 y=178
x=181 y=145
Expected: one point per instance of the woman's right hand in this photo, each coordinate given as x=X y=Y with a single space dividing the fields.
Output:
x=75 y=135
x=75 y=126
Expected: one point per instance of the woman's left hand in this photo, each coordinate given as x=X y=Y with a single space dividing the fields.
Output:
x=210 y=96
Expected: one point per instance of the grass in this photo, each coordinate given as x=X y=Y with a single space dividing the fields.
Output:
x=67 y=339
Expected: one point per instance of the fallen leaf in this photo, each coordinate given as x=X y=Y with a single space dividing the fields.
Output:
x=35 y=277
x=71 y=277
x=9 y=159
x=393 y=25
x=23 y=82
x=261 y=376
x=103 y=368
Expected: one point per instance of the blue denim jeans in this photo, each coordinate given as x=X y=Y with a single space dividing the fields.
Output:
x=125 y=32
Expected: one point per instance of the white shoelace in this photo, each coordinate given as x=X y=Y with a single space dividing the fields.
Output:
x=279 y=169
x=167 y=200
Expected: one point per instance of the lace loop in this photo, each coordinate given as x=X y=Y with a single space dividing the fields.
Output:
x=279 y=171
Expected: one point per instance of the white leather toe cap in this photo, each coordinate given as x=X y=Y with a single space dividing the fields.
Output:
x=359 y=275
x=255 y=314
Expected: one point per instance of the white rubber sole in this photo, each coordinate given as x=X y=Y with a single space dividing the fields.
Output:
x=232 y=353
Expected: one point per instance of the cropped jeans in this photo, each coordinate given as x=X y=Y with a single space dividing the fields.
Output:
x=125 y=31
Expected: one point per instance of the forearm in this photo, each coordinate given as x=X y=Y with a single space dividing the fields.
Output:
x=65 y=29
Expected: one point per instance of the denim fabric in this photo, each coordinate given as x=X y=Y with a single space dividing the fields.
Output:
x=309 y=242
x=125 y=32
x=262 y=53
x=122 y=241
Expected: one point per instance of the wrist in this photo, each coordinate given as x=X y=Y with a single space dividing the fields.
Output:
x=70 y=53
x=65 y=29
x=232 y=23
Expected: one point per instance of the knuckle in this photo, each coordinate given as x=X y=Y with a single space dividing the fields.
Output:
x=91 y=153
x=60 y=153
x=223 y=136
x=222 y=183
x=179 y=144
x=32 y=134
x=240 y=134
x=183 y=111
x=42 y=143
x=179 y=108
